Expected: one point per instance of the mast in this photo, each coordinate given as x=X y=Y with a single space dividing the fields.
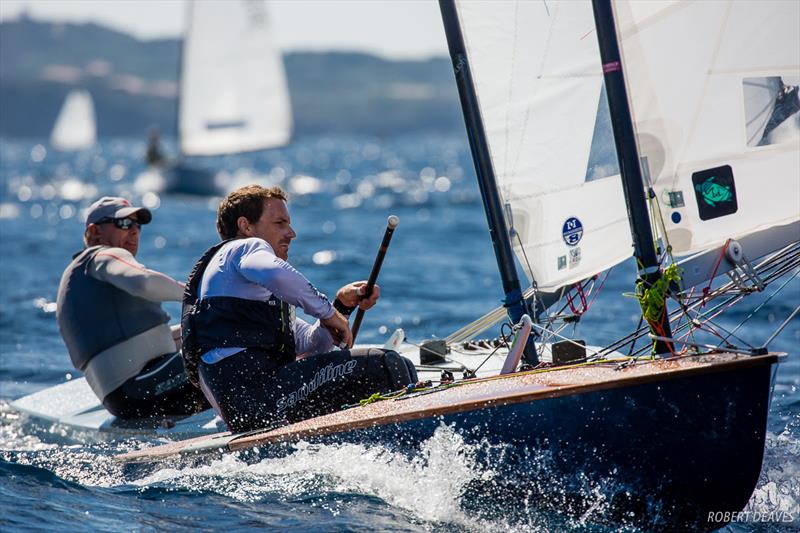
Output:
x=627 y=154
x=514 y=302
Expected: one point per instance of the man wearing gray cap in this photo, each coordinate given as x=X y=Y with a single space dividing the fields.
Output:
x=110 y=317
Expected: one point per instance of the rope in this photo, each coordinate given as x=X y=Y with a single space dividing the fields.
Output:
x=571 y=299
x=652 y=298
x=765 y=302
x=707 y=288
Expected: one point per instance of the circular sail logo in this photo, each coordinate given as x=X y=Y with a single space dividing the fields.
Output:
x=572 y=231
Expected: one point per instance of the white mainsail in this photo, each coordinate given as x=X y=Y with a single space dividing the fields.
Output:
x=75 y=126
x=233 y=94
x=537 y=74
x=704 y=81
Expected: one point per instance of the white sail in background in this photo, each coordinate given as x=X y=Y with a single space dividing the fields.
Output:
x=233 y=94
x=713 y=92
x=75 y=126
x=537 y=74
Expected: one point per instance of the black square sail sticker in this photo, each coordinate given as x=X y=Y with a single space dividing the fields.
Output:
x=715 y=192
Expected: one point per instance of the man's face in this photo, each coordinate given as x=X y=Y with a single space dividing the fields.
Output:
x=109 y=234
x=275 y=227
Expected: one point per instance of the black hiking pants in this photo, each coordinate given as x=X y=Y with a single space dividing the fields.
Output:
x=254 y=390
x=162 y=388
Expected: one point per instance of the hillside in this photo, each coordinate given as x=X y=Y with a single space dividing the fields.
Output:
x=134 y=84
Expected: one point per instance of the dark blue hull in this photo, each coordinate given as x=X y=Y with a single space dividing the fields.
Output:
x=671 y=445
x=198 y=181
x=664 y=455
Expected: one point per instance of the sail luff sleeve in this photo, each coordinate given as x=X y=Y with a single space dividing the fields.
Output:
x=514 y=302
x=627 y=152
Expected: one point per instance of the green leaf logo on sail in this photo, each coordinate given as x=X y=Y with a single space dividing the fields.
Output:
x=714 y=193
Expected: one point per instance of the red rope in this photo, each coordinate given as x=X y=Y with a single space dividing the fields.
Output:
x=570 y=300
x=658 y=329
x=707 y=289
x=595 y=293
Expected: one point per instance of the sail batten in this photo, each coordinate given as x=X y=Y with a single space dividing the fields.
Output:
x=234 y=96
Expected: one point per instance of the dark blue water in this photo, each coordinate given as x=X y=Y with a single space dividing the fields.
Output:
x=439 y=274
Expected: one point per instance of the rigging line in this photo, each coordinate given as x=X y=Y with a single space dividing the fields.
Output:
x=712 y=313
x=481 y=324
x=548 y=336
x=642 y=331
x=596 y=353
x=783 y=325
x=704 y=322
x=633 y=341
x=530 y=270
x=733 y=299
x=775 y=265
x=505 y=343
x=729 y=349
x=770 y=297
x=733 y=288
x=707 y=288
x=711 y=327
x=600 y=288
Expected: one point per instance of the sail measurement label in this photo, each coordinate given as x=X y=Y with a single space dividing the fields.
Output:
x=715 y=191
x=572 y=231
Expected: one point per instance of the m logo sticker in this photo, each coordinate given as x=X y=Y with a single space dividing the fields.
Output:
x=715 y=192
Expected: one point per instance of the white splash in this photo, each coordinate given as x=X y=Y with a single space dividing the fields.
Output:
x=778 y=488
x=13 y=434
x=429 y=484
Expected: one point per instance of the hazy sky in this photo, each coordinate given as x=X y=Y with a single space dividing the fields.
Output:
x=392 y=28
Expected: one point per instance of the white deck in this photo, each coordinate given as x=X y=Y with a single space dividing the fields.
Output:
x=73 y=404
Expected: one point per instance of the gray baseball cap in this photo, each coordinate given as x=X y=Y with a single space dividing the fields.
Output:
x=110 y=207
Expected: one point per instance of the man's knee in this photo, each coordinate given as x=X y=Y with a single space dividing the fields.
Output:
x=400 y=370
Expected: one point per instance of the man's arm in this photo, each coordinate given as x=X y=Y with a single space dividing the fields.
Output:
x=311 y=339
x=119 y=268
x=261 y=266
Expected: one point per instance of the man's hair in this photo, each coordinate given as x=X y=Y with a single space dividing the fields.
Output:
x=245 y=202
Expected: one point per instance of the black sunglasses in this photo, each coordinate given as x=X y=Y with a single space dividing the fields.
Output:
x=121 y=223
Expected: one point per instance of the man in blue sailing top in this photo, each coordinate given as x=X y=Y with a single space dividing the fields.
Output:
x=257 y=363
x=110 y=317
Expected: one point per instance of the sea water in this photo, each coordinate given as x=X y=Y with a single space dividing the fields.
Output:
x=439 y=274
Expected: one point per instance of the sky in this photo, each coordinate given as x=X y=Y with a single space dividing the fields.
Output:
x=398 y=29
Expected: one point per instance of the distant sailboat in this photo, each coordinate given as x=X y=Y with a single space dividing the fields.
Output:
x=233 y=92
x=75 y=126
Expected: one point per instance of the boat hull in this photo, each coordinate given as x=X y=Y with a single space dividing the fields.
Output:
x=672 y=454
x=193 y=180
x=663 y=446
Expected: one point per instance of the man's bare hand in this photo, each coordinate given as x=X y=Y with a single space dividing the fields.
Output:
x=352 y=295
x=339 y=329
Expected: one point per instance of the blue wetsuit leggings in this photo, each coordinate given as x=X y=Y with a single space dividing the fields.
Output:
x=256 y=390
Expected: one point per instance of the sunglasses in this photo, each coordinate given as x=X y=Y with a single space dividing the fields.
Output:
x=121 y=223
